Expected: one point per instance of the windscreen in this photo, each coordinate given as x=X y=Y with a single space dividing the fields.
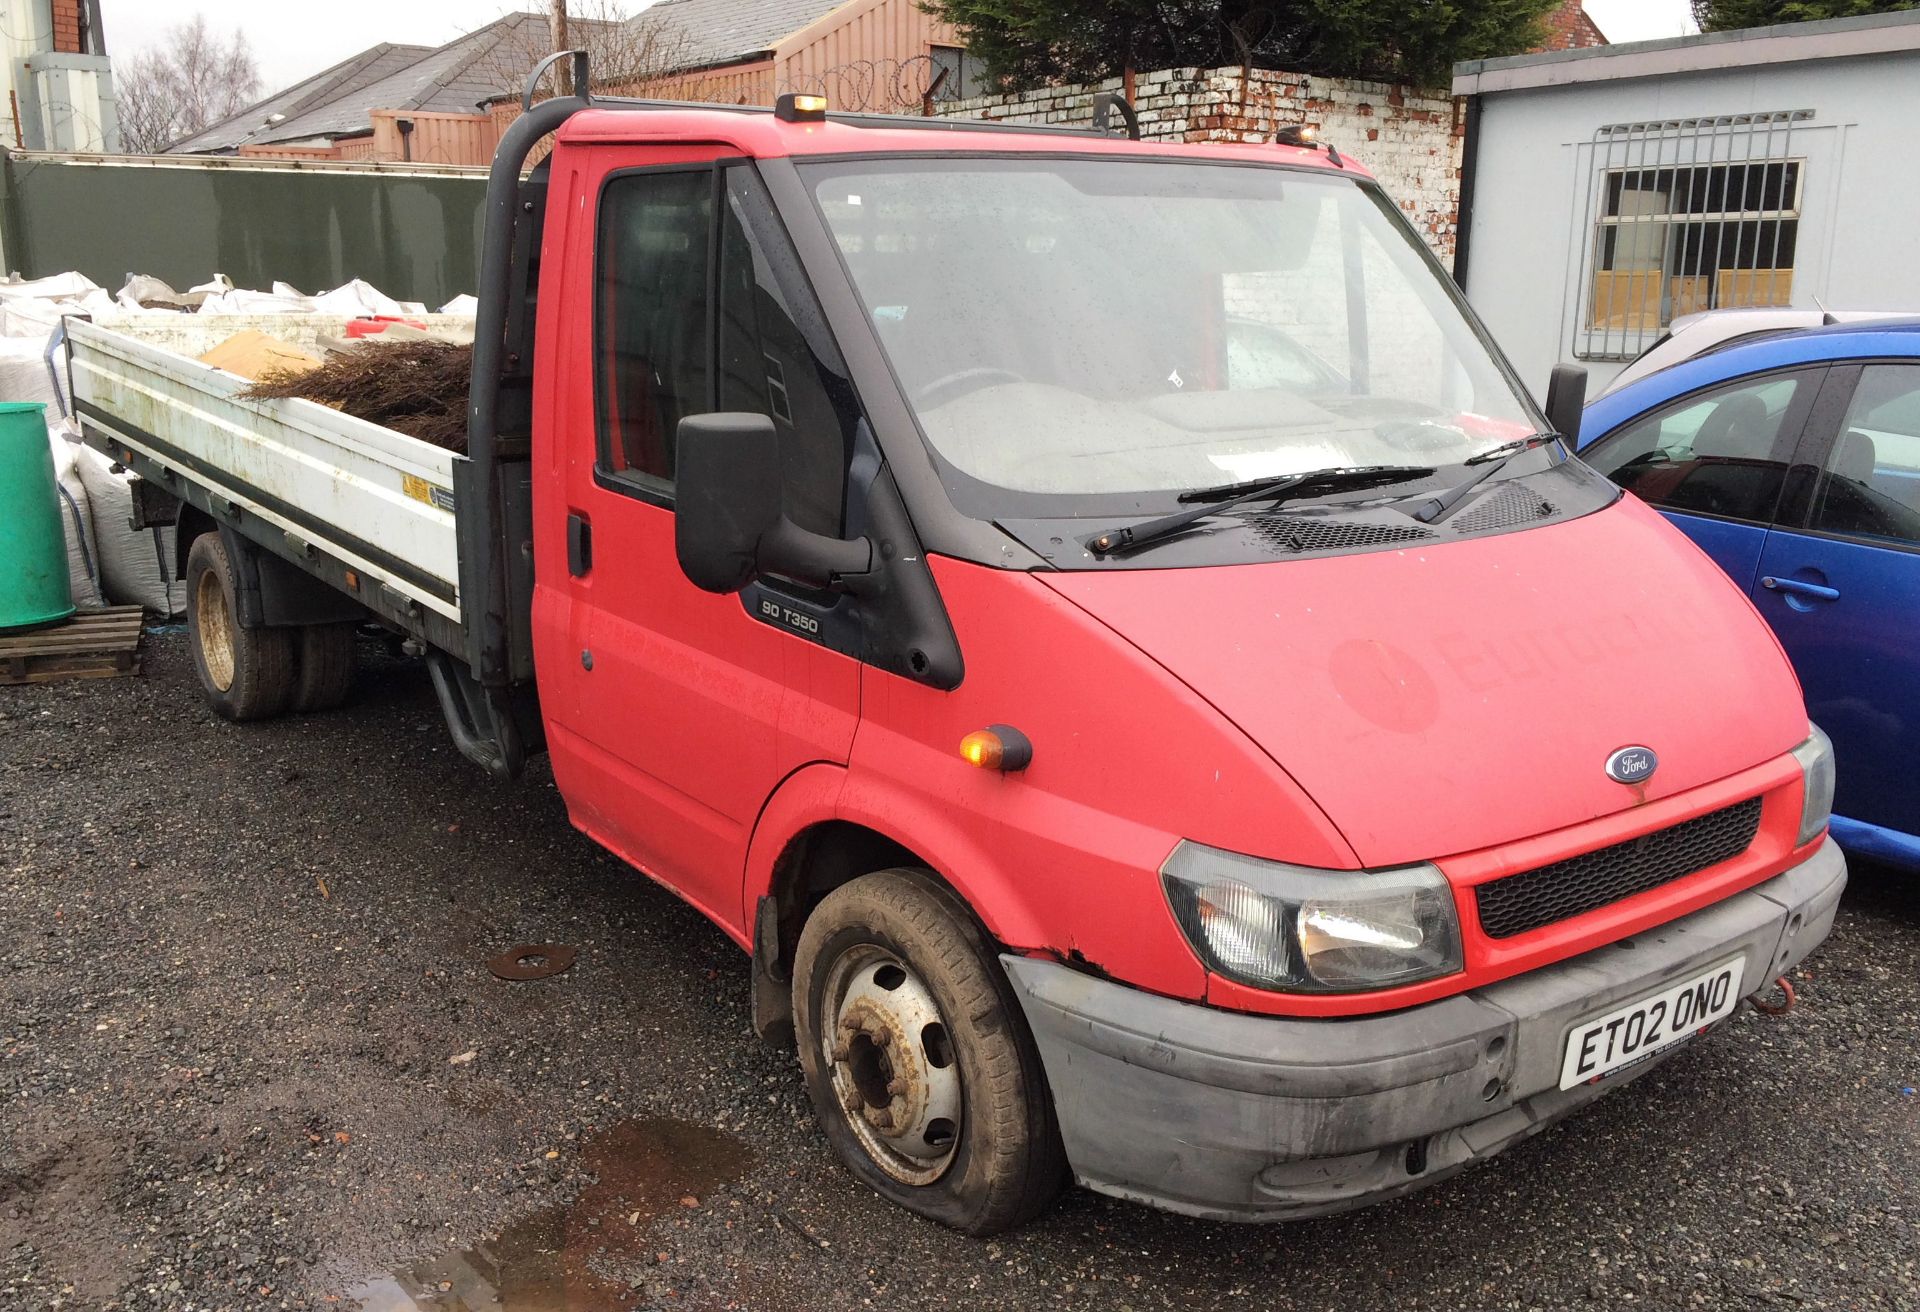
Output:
x=1076 y=335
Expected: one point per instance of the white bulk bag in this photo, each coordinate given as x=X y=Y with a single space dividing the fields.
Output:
x=136 y=565
x=76 y=519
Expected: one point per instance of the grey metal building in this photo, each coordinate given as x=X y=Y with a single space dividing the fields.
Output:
x=1606 y=192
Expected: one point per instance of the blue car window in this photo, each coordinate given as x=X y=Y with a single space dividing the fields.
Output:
x=1722 y=452
x=1871 y=485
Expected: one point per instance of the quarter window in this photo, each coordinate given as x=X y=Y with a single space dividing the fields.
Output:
x=1724 y=452
x=770 y=365
x=1871 y=485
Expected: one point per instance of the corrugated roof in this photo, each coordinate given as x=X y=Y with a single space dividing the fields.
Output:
x=453 y=79
x=726 y=31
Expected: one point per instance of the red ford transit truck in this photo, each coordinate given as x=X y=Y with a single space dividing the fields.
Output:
x=1098 y=622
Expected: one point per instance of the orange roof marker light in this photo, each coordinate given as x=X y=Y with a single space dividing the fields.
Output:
x=998 y=747
x=799 y=107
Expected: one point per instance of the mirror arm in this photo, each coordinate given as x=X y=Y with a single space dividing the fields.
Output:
x=811 y=558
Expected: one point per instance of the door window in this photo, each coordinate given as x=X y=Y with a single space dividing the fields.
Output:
x=1724 y=452
x=1870 y=487
x=652 y=355
x=661 y=358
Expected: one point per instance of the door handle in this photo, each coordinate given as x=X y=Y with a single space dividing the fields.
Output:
x=1795 y=588
x=579 y=545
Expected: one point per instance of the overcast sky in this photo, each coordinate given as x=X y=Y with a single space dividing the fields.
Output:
x=296 y=38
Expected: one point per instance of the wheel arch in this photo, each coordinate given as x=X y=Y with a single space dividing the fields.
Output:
x=823 y=829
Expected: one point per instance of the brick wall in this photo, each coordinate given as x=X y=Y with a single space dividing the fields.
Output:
x=1411 y=142
x=66 y=27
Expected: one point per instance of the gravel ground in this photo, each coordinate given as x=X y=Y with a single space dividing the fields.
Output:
x=250 y=1058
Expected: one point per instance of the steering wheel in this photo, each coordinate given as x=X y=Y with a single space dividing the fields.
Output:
x=962 y=382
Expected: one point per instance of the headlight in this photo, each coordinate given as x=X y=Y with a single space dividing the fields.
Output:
x=1816 y=766
x=1301 y=930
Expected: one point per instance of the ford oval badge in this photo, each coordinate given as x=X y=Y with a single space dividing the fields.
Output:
x=1632 y=765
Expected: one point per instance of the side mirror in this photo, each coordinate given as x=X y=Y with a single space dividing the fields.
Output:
x=1566 y=399
x=729 y=528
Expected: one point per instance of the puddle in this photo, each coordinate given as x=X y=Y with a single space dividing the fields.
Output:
x=546 y=1262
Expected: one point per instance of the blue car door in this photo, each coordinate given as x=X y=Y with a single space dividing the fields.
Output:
x=1715 y=461
x=1839 y=580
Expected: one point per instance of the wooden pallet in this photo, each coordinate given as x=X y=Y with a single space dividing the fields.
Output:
x=93 y=644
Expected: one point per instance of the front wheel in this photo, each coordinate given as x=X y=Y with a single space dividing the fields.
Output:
x=917 y=1058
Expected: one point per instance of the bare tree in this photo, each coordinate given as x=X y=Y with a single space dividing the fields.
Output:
x=624 y=51
x=184 y=87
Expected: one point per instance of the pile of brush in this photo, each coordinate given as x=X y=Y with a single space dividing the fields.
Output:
x=416 y=387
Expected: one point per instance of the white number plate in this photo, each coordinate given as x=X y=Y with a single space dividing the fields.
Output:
x=1643 y=1027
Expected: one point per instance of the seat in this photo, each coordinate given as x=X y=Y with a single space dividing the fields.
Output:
x=1738 y=426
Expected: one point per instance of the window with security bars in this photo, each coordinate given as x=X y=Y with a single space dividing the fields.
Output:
x=1689 y=215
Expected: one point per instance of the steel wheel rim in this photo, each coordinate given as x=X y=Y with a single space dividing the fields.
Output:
x=889 y=1053
x=215 y=624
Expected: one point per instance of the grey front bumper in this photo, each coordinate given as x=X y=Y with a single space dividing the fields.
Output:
x=1238 y=1117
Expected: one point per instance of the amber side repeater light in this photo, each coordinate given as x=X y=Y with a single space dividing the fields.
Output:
x=998 y=747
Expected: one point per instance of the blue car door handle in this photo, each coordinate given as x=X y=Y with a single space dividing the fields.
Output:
x=1795 y=588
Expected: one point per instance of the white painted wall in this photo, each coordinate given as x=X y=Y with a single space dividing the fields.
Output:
x=1860 y=230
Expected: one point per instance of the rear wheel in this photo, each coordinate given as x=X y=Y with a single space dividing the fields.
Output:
x=245 y=674
x=324 y=657
x=918 y=1059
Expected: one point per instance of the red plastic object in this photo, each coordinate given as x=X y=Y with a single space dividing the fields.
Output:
x=379 y=323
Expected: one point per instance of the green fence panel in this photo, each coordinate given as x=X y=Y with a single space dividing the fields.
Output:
x=415 y=236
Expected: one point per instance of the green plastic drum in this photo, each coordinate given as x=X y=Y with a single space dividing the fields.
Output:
x=33 y=549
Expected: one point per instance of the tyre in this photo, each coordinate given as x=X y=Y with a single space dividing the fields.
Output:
x=917 y=1057
x=323 y=661
x=245 y=674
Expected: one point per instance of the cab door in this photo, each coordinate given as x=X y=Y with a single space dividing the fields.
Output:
x=1839 y=581
x=685 y=709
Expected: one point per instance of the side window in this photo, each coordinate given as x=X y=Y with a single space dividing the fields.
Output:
x=1871 y=485
x=771 y=365
x=652 y=356
x=1723 y=452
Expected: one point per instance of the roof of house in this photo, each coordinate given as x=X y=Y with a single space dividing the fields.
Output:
x=1571 y=27
x=343 y=79
x=455 y=78
x=1783 y=43
x=728 y=31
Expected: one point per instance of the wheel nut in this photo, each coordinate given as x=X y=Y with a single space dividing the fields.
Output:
x=897 y=1085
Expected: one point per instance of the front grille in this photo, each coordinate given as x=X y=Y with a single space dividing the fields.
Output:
x=1511 y=505
x=1297 y=534
x=1518 y=903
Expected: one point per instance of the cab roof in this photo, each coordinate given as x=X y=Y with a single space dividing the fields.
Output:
x=756 y=132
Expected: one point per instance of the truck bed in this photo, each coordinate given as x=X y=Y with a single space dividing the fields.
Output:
x=306 y=481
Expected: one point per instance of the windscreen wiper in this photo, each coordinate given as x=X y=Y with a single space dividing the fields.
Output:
x=1225 y=498
x=1437 y=508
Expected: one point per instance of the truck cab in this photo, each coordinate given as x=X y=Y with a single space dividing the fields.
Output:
x=1098 y=622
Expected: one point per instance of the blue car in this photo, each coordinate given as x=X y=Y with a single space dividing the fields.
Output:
x=1794 y=461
